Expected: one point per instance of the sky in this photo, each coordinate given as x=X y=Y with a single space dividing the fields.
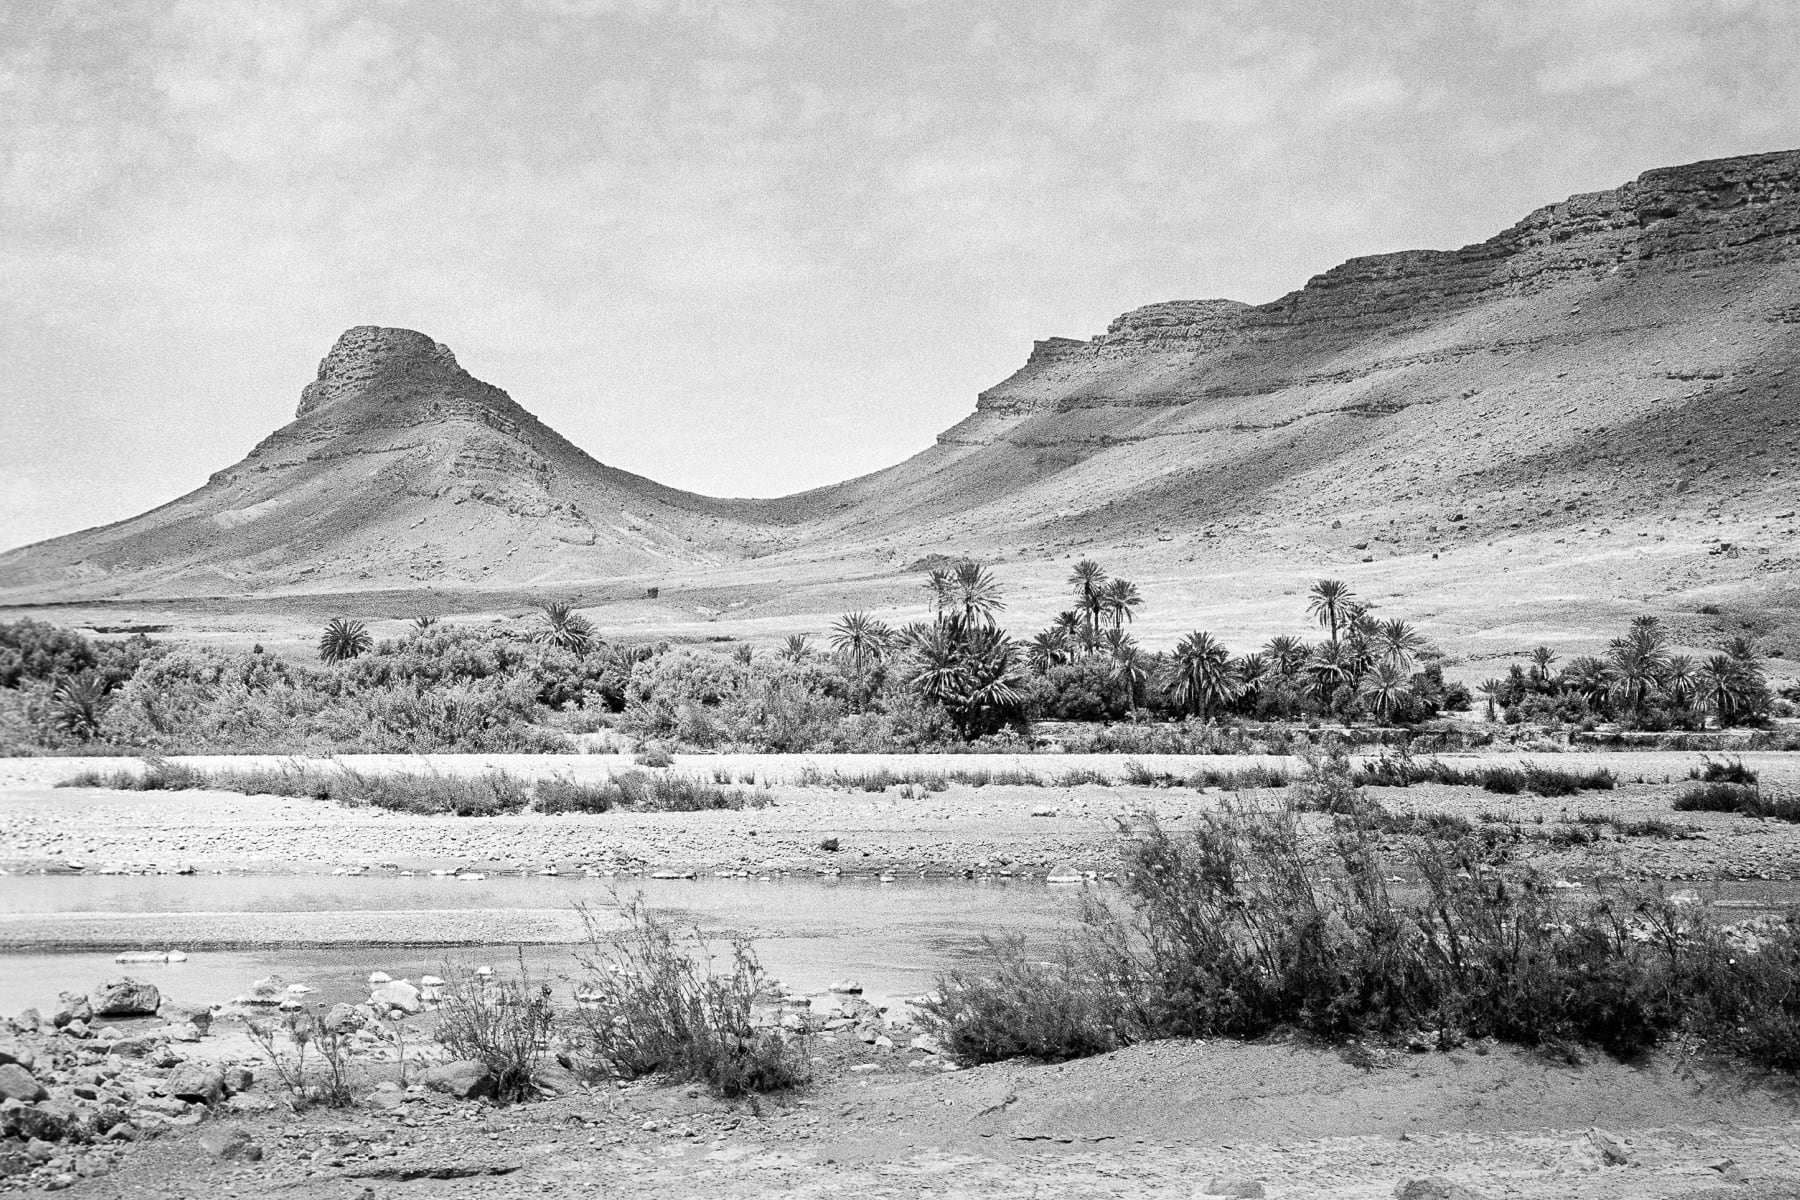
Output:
x=752 y=247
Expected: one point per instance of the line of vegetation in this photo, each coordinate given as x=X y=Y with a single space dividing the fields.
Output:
x=954 y=680
x=1401 y=769
x=1248 y=925
x=430 y=793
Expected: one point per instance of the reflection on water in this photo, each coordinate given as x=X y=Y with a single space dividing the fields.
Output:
x=894 y=938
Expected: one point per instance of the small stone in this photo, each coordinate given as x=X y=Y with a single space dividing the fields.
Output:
x=1248 y=1189
x=16 y=1083
x=228 y=1142
x=345 y=1018
x=1609 y=1146
x=847 y=987
x=238 y=1079
x=1433 y=1188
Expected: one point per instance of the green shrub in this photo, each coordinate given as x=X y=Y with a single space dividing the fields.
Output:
x=650 y=1002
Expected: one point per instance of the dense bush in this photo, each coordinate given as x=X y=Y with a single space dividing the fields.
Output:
x=1248 y=925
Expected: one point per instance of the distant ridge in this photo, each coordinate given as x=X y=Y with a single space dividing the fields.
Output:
x=1620 y=356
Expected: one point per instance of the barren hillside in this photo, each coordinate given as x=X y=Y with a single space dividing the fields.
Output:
x=1612 y=367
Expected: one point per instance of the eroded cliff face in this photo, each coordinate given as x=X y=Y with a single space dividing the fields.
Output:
x=1736 y=213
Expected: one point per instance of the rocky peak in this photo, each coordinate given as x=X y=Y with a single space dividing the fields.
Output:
x=365 y=354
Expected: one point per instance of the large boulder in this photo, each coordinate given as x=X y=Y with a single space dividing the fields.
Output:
x=464 y=1079
x=195 y=1084
x=345 y=1018
x=1433 y=1187
x=18 y=1052
x=125 y=998
x=16 y=1083
x=397 y=994
x=71 y=1007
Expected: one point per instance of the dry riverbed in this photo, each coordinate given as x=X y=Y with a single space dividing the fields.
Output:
x=1001 y=830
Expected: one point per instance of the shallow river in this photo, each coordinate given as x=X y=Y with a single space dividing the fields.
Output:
x=333 y=931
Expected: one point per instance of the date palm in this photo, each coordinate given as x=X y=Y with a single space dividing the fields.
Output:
x=78 y=704
x=1331 y=668
x=1680 y=680
x=565 y=629
x=1398 y=643
x=1385 y=689
x=344 y=639
x=1050 y=648
x=1639 y=661
x=1542 y=659
x=976 y=593
x=1491 y=690
x=1327 y=602
x=797 y=648
x=1287 y=655
x=1089 y=582
x=1723 y=687
x=1203 y=676
x=942 y=588
x=862 y=640
x=1126 y=666
x=1589 y=678
x=1121 y=601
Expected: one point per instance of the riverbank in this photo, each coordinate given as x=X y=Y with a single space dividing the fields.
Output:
x=812 y=818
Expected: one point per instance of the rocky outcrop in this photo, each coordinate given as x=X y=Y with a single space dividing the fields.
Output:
x=365 y=356
x=1734 y=212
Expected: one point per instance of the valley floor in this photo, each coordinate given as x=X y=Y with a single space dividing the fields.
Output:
x=1174 y=1119
x=994 y=829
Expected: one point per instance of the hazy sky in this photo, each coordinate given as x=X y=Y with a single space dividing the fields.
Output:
x=748 y=248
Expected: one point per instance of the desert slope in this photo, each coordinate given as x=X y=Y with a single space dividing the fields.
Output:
x=1613 y=366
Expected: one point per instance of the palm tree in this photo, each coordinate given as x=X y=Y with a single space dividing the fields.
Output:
x=1398 y=643
x=1048 y=649
x=1679 y=680
x=423 y=624
x=1068 y=623
x=1121 y=601
x=1491 y=689
x=1326 y=602
x=1741 y=649
x=1204 y=679
x=976 y=592
x=1639 y=661
x=1251 y=670
x=861 y=639
x=344 y=639
x=1589 y=678
x=942 y=588
x=1723 y=687
x=1542 y=658
x=1287 y=655
x=1127 y=666
x=1331 y=667
x=1089 y=581
x=566 y=629
x=78 y=704
x=1386 y=688
x=797 y=648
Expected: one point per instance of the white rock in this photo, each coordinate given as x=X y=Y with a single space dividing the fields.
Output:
x=377 y=978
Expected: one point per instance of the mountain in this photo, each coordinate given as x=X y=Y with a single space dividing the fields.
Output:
x=1613 y=367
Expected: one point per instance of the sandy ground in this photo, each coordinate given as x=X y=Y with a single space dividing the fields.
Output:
x=1179 y=1119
